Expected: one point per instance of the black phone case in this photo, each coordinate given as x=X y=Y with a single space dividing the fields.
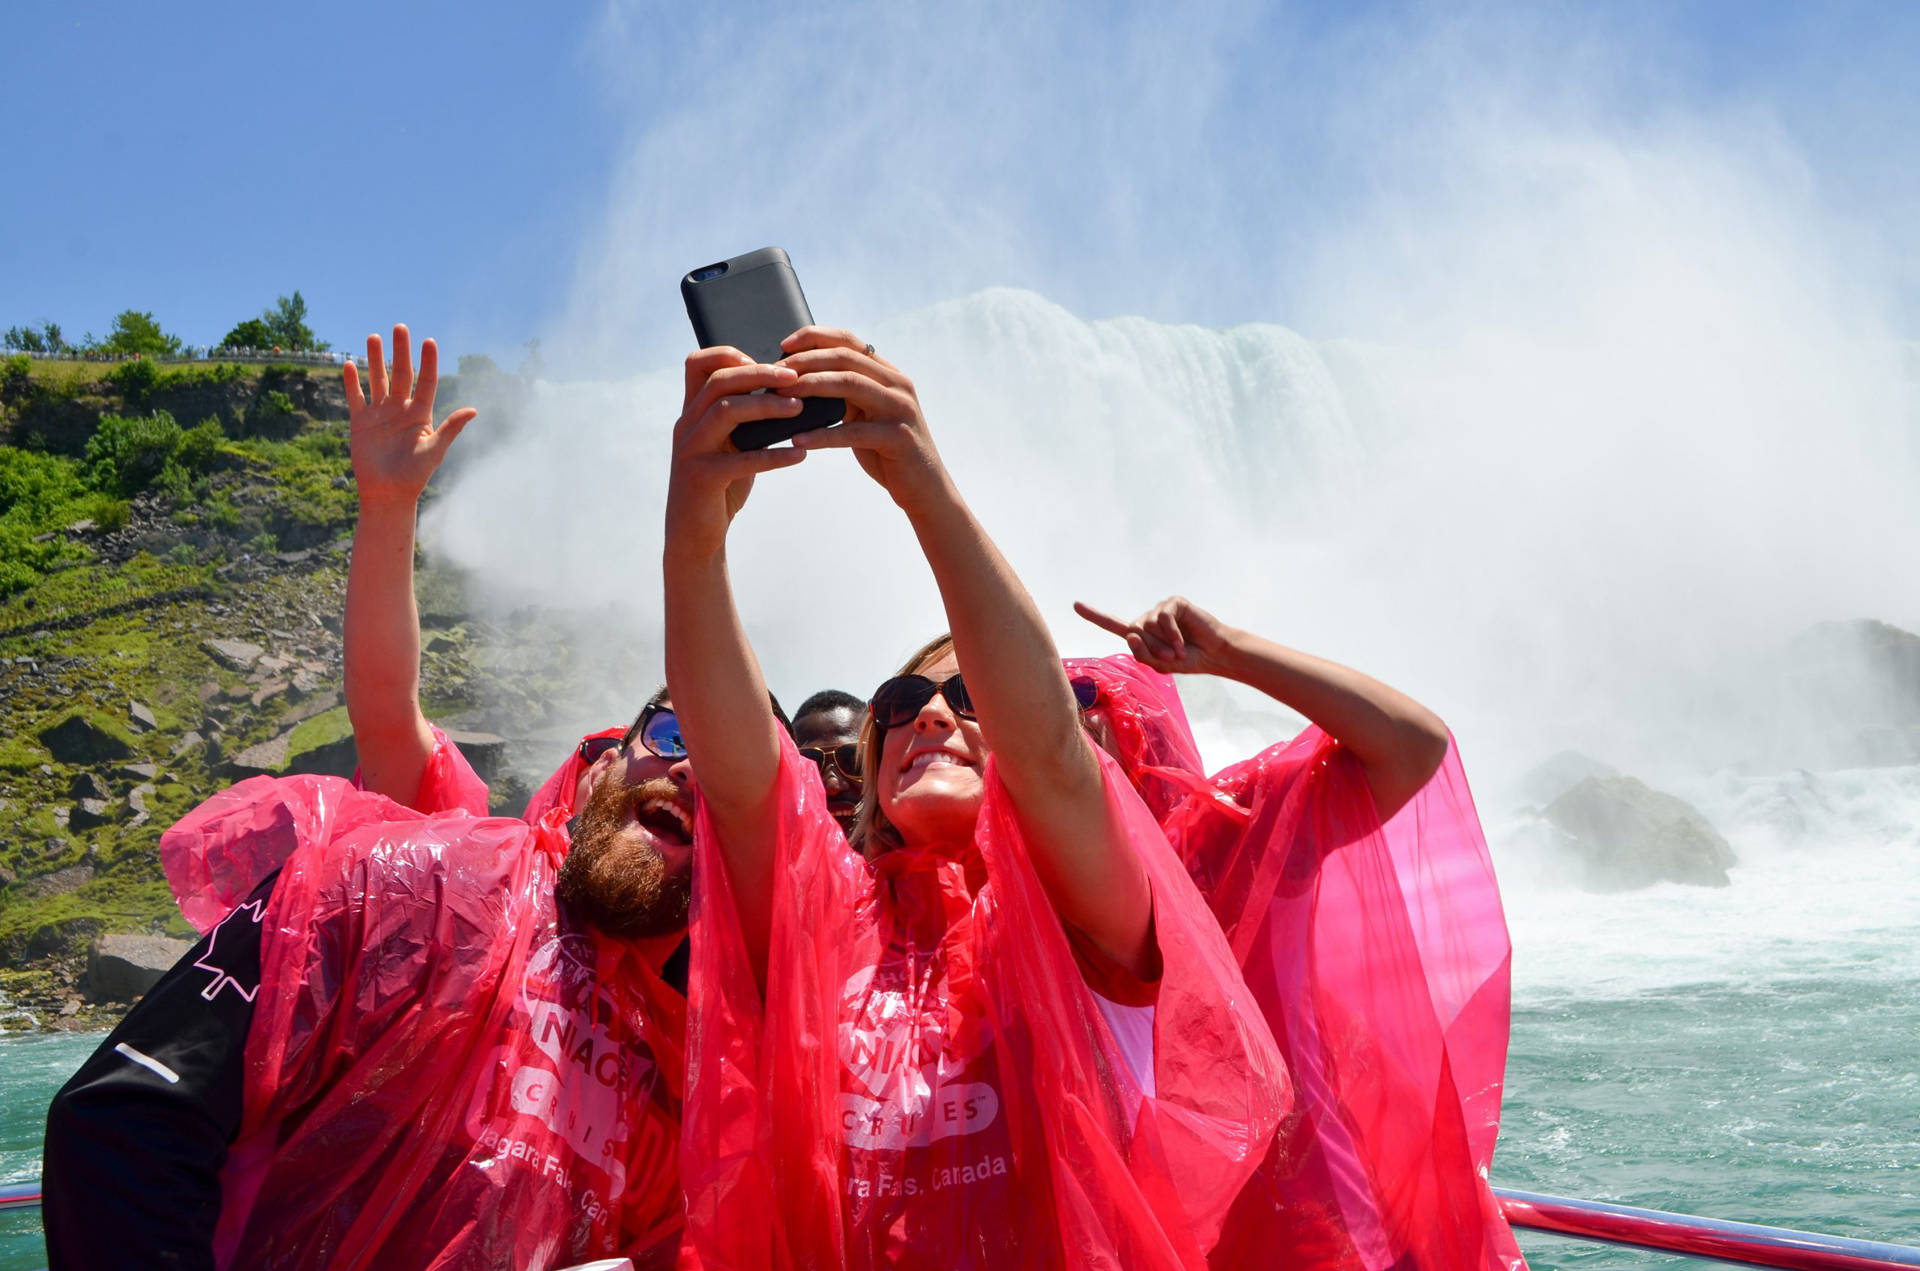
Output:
x=754 y=303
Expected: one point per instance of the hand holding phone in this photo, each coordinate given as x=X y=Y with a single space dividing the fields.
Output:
x=753 y=302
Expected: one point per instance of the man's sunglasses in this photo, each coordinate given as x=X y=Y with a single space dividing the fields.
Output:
x=846 y=758
x=658 y=730
x=901 y=698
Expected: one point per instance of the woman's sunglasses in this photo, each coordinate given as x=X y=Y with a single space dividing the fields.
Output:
x=846 y=758
x=658 y=730
x=901 y=698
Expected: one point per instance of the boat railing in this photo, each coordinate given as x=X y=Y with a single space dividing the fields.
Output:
x=1749 y=1244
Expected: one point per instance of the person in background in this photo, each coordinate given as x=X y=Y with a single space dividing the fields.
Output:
x=826 y=728
x=1349 y=872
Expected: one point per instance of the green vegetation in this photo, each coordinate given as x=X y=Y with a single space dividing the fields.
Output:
x=282 y=326
x=45 y=338
x=251 y=334
x=40 y=495
x=321 y=730
x=136 y=332
x=289 y=489
x=129 y=544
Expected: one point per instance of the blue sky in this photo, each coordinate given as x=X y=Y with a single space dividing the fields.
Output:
x=467 y=167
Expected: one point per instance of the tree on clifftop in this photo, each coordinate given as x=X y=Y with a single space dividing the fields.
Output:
x=288 y=321
x=282 y=326
x=45 y=338
x=251 y=334
x=135 y=332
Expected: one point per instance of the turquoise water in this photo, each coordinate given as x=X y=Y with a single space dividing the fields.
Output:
x=32 y=1067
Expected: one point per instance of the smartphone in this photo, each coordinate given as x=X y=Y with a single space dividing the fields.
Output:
x=753 y=302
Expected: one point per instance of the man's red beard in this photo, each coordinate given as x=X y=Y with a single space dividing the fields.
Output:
x=614 y=875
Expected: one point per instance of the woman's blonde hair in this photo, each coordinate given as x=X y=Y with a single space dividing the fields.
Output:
x=872 y=833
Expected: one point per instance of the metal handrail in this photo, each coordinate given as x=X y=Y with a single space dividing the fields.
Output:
x=20 y=1196
x=1749 y=1244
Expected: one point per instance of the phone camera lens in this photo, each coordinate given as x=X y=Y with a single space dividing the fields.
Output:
x=711 y=271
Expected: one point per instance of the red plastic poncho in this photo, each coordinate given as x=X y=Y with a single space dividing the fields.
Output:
x=442 y=1071
x=558 y=790
x=1381 y=958
x=258 y=838
x=932 y=1083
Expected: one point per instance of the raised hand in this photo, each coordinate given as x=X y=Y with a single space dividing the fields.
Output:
x=1175 y=636
x=395 y=445
x=711 y=479
x=883 y=427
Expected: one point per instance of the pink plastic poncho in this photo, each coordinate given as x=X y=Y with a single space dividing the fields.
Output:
x=932 y=1082
x=207 y=884
x=557 y=792
x=442 y=1072
x=1380 y=955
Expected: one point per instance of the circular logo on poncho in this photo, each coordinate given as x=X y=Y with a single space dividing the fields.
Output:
x=895 y=1042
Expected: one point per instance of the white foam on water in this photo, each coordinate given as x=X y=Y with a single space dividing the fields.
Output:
x=1828 y=887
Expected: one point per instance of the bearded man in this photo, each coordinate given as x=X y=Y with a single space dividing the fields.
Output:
x=411 y=1035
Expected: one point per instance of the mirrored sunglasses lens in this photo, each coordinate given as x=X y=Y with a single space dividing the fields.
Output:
x=593 y=747
x=662 y=737
x=1085 y=691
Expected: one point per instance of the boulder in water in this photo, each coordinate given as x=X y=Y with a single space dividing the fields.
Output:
x=1627 y=835
x=1850 y=698
x=121 y=968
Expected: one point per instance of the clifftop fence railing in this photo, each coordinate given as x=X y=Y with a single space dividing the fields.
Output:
x=191 y=356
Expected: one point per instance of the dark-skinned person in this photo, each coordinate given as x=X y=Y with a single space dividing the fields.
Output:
x=410 y=1036
x=998 y=1029
x=826 y=728
x=1348 y=870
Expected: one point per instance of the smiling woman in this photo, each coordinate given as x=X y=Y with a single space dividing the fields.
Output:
x=1005 y=970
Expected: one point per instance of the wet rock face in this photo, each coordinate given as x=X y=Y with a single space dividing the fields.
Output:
x=58 y=883
x=1560 y=774
x=1627 y=835
x=121 y=968
x=485 y=751
x=1849 y=697
x=89 y=814
x=238 y=655
x=77 y=740
x=87 y=785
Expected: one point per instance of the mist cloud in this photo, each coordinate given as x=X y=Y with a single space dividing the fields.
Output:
x=1555 y=410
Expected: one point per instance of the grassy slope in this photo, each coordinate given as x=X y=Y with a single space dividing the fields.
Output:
x=120 y=616
x=253 y=548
